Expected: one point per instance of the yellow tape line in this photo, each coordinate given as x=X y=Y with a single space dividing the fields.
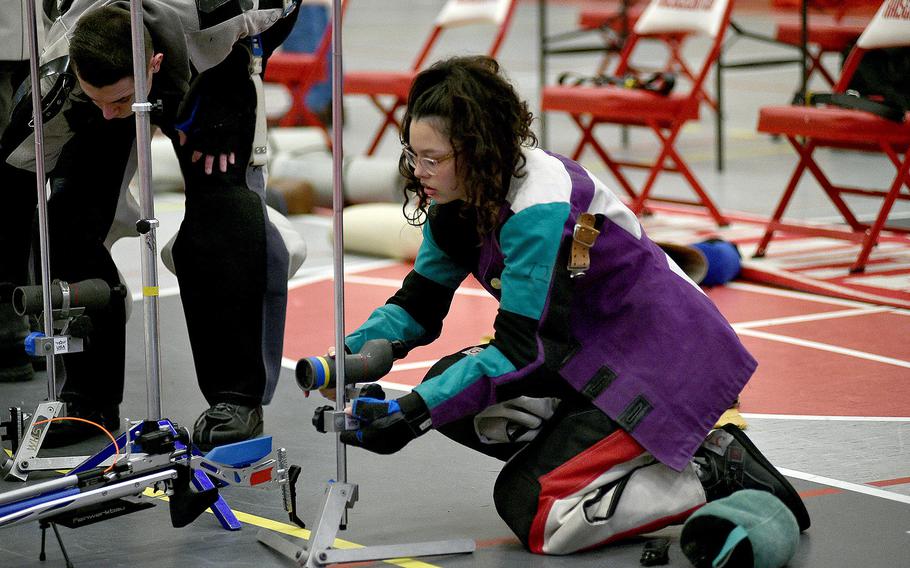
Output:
x=297 y=532
x=325 y=370
x=289 y=530
x=150 y=290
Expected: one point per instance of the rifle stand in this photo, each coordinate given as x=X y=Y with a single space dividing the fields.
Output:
x=25 y=460
x=42 y=556
x=319 y=552
x=27 y=440
x=200 y=480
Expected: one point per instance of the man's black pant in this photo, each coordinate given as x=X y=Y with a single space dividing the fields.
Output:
x=85 y=186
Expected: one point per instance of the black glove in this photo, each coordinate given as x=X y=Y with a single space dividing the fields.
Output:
x=218 y=114
x=386 y=426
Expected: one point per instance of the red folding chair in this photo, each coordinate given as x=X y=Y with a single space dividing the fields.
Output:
x=665 y=115
x=809 y=128
x=298 y=73
x=397 y=84
x=609 y=18
x=614 y=22
x=833 y=27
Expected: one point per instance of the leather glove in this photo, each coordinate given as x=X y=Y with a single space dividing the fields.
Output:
x=386 y=426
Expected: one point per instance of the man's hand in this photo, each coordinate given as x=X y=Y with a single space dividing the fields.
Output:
x=223 y=159
x=217 y=116
x=386 y=426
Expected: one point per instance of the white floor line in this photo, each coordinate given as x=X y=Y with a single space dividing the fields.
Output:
x=414 y=365
x=297 y=281
x=825 y=347
x=767 y=290
x=861 y=218
x=810 y=417
x=395 y=386
x=328 y=272
x=846 y=485
x=811 y=317
x=394 y=283
x=288 y=363
x=292 y=365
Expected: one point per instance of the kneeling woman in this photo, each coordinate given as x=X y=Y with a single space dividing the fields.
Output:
x=609 y=367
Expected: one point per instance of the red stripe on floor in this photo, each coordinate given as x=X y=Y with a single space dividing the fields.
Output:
x=790 y=379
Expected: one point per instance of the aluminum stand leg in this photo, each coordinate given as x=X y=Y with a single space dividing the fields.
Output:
x=32 y=439
x=319 y=552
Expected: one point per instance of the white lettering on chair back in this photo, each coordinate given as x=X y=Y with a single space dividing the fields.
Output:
x=468 y=12
x=889 y=28
x=702 y=17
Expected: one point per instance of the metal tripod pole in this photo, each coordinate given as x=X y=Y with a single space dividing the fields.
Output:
x=338 y=230
x=147 y=225
x=34 y=433
x=340 y=495
x=40 y=176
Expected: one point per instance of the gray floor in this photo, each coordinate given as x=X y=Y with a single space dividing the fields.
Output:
x=433 y=489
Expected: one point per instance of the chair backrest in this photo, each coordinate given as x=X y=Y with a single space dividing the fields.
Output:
x=697 y=17
x=458 y=13
x=890 y=27
x=700 y=17
x=837 y=8
x=465 y=12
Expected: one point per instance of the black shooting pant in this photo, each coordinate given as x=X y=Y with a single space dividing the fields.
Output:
x=583 y=481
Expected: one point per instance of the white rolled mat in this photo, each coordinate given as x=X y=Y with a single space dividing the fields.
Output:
x=366 y=179
x=296 y=140
x=166 y=174
x=380 y=229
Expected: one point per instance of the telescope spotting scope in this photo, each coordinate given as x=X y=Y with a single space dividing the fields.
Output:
x=371 y=364
x=92 y=294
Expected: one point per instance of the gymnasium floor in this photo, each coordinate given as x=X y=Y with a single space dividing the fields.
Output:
x=829 y=404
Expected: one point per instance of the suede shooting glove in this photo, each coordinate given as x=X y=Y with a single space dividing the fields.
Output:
x=386 y=426
x=218 y=114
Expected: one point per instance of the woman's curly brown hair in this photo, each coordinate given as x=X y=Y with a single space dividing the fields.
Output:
x=487 y=125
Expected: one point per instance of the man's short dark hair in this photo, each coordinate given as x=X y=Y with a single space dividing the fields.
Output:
x=101 y=48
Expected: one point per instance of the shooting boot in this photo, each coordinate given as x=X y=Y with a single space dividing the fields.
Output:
x=728 y=461
x=68 y=432
x=226 y=423
x=15 y=364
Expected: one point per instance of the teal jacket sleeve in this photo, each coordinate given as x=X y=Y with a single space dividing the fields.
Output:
x=415 y=313
x=530 y=241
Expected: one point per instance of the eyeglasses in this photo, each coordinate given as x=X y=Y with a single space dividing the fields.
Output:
x=429 y=165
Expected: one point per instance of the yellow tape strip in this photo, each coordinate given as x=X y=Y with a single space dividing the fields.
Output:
x=297 y=532
x=289 y=530
x=325 y=370
x=150 y=290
